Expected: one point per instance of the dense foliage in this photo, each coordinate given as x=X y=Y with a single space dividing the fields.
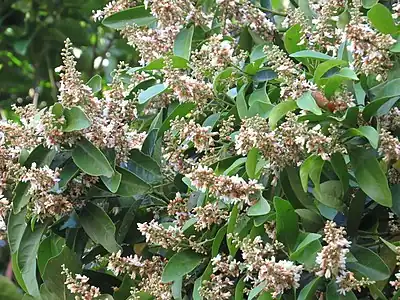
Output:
x=250 y=152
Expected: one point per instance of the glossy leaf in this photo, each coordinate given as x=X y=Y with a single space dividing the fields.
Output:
x=99 y=227
x=95 y=83
x=91 y=160
x=308 y=103
x=370 y=176
x=180 y=264
x=75 y=119
x=287 y=227
x=261 y=207
x=137 y=15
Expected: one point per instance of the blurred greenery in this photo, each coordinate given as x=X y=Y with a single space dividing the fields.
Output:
x=32 y=34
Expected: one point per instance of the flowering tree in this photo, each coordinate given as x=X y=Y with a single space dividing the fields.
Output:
x=252 y=154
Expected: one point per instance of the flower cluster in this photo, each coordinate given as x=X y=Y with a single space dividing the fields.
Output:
x=288 y=144
x=293 y=81
x=79 y=285
x=230 y=189
x=332 y=260
x=370 y=48
x=150 y=271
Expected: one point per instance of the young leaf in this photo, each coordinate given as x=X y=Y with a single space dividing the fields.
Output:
x=180 y=264
x=138 y=15
x=251 y=163
x=75 y=119
x=370 y=176
x=183 y=42
x=99 y=227
x=287 y=227
x=91 y=160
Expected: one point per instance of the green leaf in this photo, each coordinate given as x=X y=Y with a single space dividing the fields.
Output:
x=113 y=182
x=180 y=111
x=310 y=220
x=372 y=108
x=330 y=193
x=333 y=294
x=308 y=292
x=311 y=54
x=239 y=289
x=370 y=176
x=151 y=92
x=124 y=290
x=57 y=110
x=355 y=213
x=311 y=167
x=287 y=227
x=381 y=18
x=15 y=229
x=75 y=119
x=17 y=272
x=183 y=42
x=91 y=160
x=260 y=208
x=27 y=252
x=307 y=102
x=52 y=277
x=279 y=111
x=219 y=237
x=368 y=132
x=131 y=184
x=339 y=166
x=241 y=104
x=211 y=120
x=325 y=67
x=144 y=167
x=251 y=163
x=369 y=264
x=69 y=171
x=261 y=109
x=256 y=290
x=292 y=38
x=180 y=264
x=99 y=227
x=137 y=15
x=50 y=247
x=8 y=290
x=369 y=3
x=308 y=239
x=95 y=83
x=149 y=143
